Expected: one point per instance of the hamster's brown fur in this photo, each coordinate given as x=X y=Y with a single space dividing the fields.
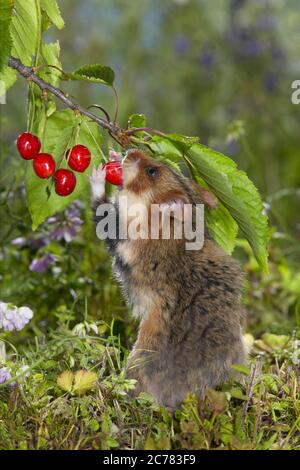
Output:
x=188 y=302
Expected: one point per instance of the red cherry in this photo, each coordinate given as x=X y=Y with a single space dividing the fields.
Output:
x=79 y=158
x=44 y=165
x=65 y=182
x=28 y=145
x=114 y=172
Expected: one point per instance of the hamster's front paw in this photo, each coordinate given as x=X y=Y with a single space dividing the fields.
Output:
x=97 y=182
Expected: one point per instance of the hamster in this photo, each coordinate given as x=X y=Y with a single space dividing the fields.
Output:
x=187 y=301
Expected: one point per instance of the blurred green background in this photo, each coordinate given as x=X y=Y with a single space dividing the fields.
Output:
x=218 y=69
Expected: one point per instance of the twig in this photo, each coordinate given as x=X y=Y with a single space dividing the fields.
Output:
x=28 y=73
x=120 y=135
x=250 y=390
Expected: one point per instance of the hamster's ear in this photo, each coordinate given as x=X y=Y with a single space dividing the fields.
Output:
x=206 y=196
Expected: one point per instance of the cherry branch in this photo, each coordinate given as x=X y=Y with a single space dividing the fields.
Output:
x=29 y=74
x=121 y=136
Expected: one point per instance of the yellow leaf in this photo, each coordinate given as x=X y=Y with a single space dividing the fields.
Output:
x=261 y=345
x=275 y=341
x=65 y=380
x=84 y=381
x=249 y=341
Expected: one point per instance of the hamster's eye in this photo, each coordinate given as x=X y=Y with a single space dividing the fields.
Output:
x=151 y=171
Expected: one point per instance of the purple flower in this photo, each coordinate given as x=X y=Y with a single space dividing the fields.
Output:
x=19 y=242
x=266 y=22
x=40 y=265
x=23 y=371
x=181 y=45
x=5 y=374
x=207 y=58
x=233 y=147
x=34 y=242
x=14 y=318
x=270 y=82
x=266 y=208
x=67 y=230
x=66 y=227
x=235 y=4
x=52 y=220
x=244 y=43
x=277 y=54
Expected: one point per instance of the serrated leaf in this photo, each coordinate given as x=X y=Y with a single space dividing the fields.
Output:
x=238 y=194
x=50 y=53
x=137 y=120
x=94 y=73
x=25 y=30
x=5 y=37
x=65 y=381
x=222 y=227
x=51 y=8
x=182 y=142
x=165 y=148
x=8 y=77
x=83 y=381
x=58 y=132
x=172 y=143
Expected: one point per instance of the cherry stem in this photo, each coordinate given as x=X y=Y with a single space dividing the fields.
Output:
x=93 y=137
x=45 y=121
x=102 y=109
x=117 y=104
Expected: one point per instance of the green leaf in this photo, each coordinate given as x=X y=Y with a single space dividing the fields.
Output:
x=25 y=30
x=237 y=193
x=51 y=8
x=164 y=147
x=50 y=53
x=92 y=73
x=222 y=227
x=173 y=143
x=8 y=77
x=5 y=37
x=58 y=132
x=137 y=120
x=241 y=369
x=181 y=141
x=276 y=341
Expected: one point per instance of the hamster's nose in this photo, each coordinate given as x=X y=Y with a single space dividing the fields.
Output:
x=130 y=167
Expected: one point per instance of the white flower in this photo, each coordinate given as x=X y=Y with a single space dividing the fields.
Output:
x=5 y=374
x=26 y=313
x=14 y=318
